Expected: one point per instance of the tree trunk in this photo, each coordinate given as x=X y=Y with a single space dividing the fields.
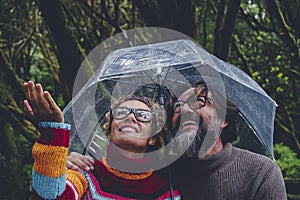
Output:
x=224 y=27
x=12 y=124
x=14 y=175
x=174 y=14
x=69 y=56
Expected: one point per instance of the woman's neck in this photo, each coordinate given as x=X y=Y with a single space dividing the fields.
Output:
x=132 y=154
x=128 y=161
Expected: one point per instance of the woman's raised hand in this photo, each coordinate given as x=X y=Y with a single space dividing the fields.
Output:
x=40 y=105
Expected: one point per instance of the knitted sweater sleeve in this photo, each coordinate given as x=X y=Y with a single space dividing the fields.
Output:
x=50 y=179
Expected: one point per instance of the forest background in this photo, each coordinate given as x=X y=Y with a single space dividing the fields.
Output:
x=46 y=41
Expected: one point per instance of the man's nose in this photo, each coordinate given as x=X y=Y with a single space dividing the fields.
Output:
x=186 y=108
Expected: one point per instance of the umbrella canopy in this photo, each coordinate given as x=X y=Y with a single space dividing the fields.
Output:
x=159 y=71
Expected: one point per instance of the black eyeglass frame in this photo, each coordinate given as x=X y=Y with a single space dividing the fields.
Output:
x=134 y=111
x=188 y=102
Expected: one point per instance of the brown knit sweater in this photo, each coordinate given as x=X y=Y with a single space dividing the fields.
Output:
x=230 y=174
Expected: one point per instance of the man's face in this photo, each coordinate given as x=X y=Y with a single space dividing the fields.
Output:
x=195 y=123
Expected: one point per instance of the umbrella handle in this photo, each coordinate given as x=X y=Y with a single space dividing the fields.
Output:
x=170 y=183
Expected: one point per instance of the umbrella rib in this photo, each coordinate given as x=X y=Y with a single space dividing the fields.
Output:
x=123 y=76
x=182 y=77
x=255 y=133
x=168 y=72
x=122 y=81
x=165 y=79
x=147 y=75
x=147 y=86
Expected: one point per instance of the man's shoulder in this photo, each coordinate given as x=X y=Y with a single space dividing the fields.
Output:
x=261 y=170
x=255 y=167
x=253 y=159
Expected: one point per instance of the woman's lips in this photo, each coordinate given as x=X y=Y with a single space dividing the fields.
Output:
x=128 y=129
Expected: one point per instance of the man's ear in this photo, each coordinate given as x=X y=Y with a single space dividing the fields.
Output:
x=108 y=137
x=223 y=124
x=152 y=141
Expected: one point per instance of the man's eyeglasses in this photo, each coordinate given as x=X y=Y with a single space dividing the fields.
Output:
x=140 y=114
x=194 y=103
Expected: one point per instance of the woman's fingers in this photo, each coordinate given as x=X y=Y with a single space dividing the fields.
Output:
x=70 y=165
x=28 y=108
x=75 y=163
x=90 y=160
x=32 y=95
x=28 y=91
x=57 y=114
x=31 y=100
x=50 y=100
x=76 y=160
x=43 y=103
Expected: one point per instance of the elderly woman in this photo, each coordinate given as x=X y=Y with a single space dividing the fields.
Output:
x=129 y=128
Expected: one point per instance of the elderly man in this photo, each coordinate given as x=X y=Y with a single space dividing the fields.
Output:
x=210 y=167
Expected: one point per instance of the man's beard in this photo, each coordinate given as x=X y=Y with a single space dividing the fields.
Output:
x=198 y=143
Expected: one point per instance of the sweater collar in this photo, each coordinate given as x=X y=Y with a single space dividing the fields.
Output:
x=120 y=162
x=209 y=163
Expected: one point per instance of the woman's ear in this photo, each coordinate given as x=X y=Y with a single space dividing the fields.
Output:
x=108 y=137
x=152 y=141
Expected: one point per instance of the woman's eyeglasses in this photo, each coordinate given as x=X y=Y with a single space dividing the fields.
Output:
x=140 y=114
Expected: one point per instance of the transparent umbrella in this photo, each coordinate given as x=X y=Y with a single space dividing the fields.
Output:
x=159 y=71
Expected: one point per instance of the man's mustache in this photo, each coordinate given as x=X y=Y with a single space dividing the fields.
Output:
x=198 y=119
x=187 y=142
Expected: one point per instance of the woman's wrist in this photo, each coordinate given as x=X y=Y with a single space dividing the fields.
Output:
x=56 y=125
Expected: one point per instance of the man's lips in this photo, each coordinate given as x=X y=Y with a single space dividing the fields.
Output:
x=188 y=125
x=189 y=122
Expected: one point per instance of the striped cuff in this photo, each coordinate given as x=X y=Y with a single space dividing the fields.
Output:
x=77 y=179
x=53 y=133
x=49 y=160
x=55 y=125
x=47 y=187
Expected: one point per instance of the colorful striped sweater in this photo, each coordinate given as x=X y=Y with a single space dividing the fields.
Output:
x=51 y=180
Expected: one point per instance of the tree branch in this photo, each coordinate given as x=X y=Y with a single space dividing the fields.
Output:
x=242 y=56
x=284 y=30
x=254 y=23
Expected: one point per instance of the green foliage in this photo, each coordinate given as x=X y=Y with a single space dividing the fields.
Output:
x=287 y=161
x=28 y=172
x=267 y=58
x=25 y=146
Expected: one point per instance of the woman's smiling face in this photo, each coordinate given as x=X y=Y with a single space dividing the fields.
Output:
x=130 y=134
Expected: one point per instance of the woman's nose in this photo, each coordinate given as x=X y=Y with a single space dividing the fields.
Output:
x=131 y=117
